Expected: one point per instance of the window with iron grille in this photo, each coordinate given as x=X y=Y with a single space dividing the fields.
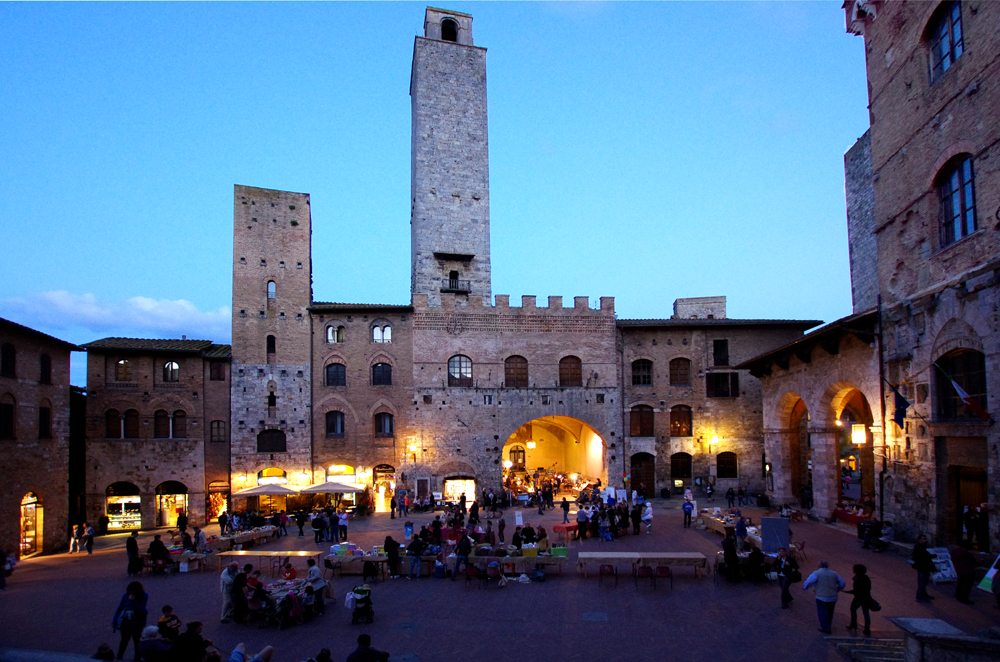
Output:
x=381 y=374
x=725 y=465
x=217 y=371
x=968 y=368
x=680 y=372
x=680 y=421
x=570 y=371
x=722 y=384
x=641 y=421
x=218 y=431
x=958 y=200
x=460 y=371
x=383 y=425
x=720 y=352
x=946 y=42
x=271 y=441
x=336 y=374
x=515 y=372
x=642 y=372
x=334 y=424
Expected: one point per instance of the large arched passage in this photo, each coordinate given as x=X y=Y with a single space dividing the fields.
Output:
x=855 y=448
x=554 y=446
x=171 y=501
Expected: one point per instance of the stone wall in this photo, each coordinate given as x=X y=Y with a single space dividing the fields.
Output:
x=861 y=224
x=42 y=463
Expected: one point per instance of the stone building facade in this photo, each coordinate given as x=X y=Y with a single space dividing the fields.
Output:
x=34 y=436
x=923 y=187
x=158 y=439
x=436 y=396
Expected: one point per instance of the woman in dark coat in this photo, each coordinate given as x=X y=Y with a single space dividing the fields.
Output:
x=130 y=617
x=241 y=605
x=392 y=552
x=862 y=591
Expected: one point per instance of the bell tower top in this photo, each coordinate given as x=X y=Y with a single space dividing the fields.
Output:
x=444 y=25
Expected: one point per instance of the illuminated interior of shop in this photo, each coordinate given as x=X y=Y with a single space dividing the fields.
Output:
x=342 y=473
x=455 y=487
x=171 y=501
x=31 y=525
x=384 y=480
x=217 y=501
x=554 y=446
x=123 y=506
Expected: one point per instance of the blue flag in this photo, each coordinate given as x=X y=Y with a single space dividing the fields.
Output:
x=900 y=405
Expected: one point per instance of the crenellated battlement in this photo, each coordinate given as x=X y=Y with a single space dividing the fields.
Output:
x=529 y=304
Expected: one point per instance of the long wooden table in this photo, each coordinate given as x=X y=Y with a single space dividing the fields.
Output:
x=226 y=543
x=278 y=555
x=695 y=559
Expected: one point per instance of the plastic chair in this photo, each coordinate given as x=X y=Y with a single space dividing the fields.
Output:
x=607 y=570
x=663 y=571
x=644 y=571
x=800 y=548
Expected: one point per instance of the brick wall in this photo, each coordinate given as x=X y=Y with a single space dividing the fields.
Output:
x=861 y=224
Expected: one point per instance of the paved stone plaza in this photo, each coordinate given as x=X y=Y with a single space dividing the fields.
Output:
x=65 y=602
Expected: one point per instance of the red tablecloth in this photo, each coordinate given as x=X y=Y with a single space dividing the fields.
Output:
x=564 y=528
x=848 y=517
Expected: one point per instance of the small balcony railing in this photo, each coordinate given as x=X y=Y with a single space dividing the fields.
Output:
x=456 y=286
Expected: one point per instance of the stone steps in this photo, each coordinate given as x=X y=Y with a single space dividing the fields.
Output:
x=858 y=649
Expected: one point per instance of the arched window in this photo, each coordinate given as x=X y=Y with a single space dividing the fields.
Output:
x=680 y=466
x=570 y=371
x=335 y=334
x=680 y=421
x=123 y=371
x=218 y=431
x=381 y=374
x=459 y=371
x=7 y=420
x=272 y=289
x=517 y=458
x=130 y=424
x=272 y=475
x=967 y=368
x=45 y=369
x=382 y=333
x=8 y=359
x=383 y=425
x=112 y=424
x=45 y=420
x=641 y=421
x=161 y=424
x=945 y=36
x=642 y=372
x=271 y=441
x=178 y=426
x=725 y=465
x=958 y=200
x=449 y=30
x=680 y=372
x=272 y=348
x=515 y=372
x=336 y=374
x=171 y=371
x=334 y=425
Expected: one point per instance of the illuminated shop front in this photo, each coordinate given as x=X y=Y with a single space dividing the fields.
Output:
x=123 y=506
x=384 y=480
x=171 y=501
x=31 y=525
x=268 y=503
x=342 y=473
x=217 y=501
x=455 y=487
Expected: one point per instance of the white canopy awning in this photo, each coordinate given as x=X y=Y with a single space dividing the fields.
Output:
x=266 y=490
x=333 y=488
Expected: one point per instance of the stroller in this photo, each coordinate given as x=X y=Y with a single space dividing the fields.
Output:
x=363 y=611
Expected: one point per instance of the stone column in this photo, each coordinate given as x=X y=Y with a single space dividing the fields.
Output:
x=825 y=470
x=776 y=450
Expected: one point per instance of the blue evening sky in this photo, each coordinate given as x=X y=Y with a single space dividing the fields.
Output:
x=646 y=151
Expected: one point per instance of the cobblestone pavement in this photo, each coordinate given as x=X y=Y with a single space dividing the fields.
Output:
x=65 y=603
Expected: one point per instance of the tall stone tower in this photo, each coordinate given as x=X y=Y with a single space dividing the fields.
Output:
x=272 y=291
x=449 y=170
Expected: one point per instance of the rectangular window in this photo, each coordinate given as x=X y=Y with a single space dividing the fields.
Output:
x=720 y=352
x=722 y=384
x=642 y=372
x=44 y=423
x=218 y=431
x=6 y=420
x=217 y=371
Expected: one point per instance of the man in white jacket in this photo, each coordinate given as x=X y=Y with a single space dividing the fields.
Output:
x=226 y=586
x=647 y=517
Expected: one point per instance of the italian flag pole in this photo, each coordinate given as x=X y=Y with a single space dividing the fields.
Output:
x=969 y=401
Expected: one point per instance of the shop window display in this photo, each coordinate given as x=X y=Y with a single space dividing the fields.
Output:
x=123 y=507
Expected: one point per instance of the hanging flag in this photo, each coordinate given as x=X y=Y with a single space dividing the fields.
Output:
x=970 y=402
x=900 y=405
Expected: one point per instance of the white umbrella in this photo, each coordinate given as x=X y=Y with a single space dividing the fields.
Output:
x=266 y=490
x=332 y=488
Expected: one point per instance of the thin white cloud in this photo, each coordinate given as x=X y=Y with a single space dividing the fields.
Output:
x=82 y=317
